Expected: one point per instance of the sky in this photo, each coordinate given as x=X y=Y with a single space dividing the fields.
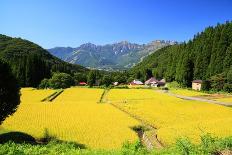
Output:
x=52 y=23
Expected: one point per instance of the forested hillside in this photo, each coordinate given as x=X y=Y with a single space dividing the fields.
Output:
x=208 y=55
x=30 y=63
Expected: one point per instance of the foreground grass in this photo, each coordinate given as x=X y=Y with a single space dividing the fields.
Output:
x=208 y=145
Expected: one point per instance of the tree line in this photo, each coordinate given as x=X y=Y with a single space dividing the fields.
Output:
x=208 y=57
x=30 y=63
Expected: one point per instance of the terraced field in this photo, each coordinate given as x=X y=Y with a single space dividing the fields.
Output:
x=173 y=117
x=75 y=115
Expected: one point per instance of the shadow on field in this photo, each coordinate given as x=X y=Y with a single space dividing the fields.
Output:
x=17 y=137
x=20 y=137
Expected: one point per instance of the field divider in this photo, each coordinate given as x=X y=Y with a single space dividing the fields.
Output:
x=54 y=95
x=103 y=96
x=148 y=140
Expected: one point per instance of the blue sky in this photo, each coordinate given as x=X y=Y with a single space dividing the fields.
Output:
x=51 y=23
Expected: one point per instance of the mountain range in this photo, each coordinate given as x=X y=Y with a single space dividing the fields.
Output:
x=121 y=55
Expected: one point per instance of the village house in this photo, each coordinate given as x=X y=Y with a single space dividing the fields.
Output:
x=136 y=82
x=196 y=84
x=153 y=82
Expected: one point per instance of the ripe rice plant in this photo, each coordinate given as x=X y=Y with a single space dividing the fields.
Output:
x=174 y=117
x=74 y=116
x=186 y=92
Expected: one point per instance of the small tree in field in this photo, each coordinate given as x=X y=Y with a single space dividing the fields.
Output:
x=9 y=92
x=61 y=80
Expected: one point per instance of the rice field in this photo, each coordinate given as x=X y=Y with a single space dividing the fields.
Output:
x=226 y=99
x=173 y=117
x=186 y=92
x=75 y=116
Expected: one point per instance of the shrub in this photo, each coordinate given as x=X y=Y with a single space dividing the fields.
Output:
x=228 y=87
x=44 y=84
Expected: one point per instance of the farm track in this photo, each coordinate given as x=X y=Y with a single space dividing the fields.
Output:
x=149 y=141
x=200 y=99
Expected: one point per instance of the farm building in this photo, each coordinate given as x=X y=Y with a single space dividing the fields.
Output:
x=151 y=81
x=155 y=83
x=136 y=82
x=196 y=84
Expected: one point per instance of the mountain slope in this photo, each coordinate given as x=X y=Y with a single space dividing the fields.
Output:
x=120 y=55
x=30 y=63
x=207 y=54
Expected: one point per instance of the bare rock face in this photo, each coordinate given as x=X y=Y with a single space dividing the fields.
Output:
x=121 y=55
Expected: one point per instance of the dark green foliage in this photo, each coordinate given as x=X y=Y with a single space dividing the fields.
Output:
x=91 y=78
x=228 y=87
x=209 y=53
x=80 y=77
x=206 y=85
x=94 y=77
x=9 y=92
x=61 y=80
x=217 y=82
x=106 y=80
x=45 y=83
x=30 y=63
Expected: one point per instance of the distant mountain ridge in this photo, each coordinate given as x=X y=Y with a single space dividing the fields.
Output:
x=120 y=55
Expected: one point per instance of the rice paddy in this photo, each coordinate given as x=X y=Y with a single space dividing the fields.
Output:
x=173 y=117
x=76 y=115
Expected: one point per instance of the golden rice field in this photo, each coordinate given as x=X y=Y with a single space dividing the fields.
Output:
x=186 y=92
x=226 y=99
x=173 y=117
x=74 y=116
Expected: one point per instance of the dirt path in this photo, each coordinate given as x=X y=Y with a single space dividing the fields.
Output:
x=200 y=99
x=150 y=141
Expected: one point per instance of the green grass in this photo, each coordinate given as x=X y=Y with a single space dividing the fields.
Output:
x=208 y=145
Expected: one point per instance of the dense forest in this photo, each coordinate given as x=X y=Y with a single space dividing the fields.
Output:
x=30 y=63
x=207 y=56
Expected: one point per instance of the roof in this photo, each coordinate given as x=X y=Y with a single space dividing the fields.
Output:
x=151 y=80
x=82 y=83
x=197 y=81
x=136 y=82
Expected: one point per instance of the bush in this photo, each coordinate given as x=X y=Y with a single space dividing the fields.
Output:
x=45 y=83
x=9 y=92
x=61 y=80
x=228 y=87
x=206 y=85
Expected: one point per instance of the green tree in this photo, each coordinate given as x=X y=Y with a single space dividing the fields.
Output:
x=217 y=82
x=106 y=80
x=9 y=92
x=92 y=78
x=61 y=80
x=229 y=76
x=80 y=77
x=45 y=83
